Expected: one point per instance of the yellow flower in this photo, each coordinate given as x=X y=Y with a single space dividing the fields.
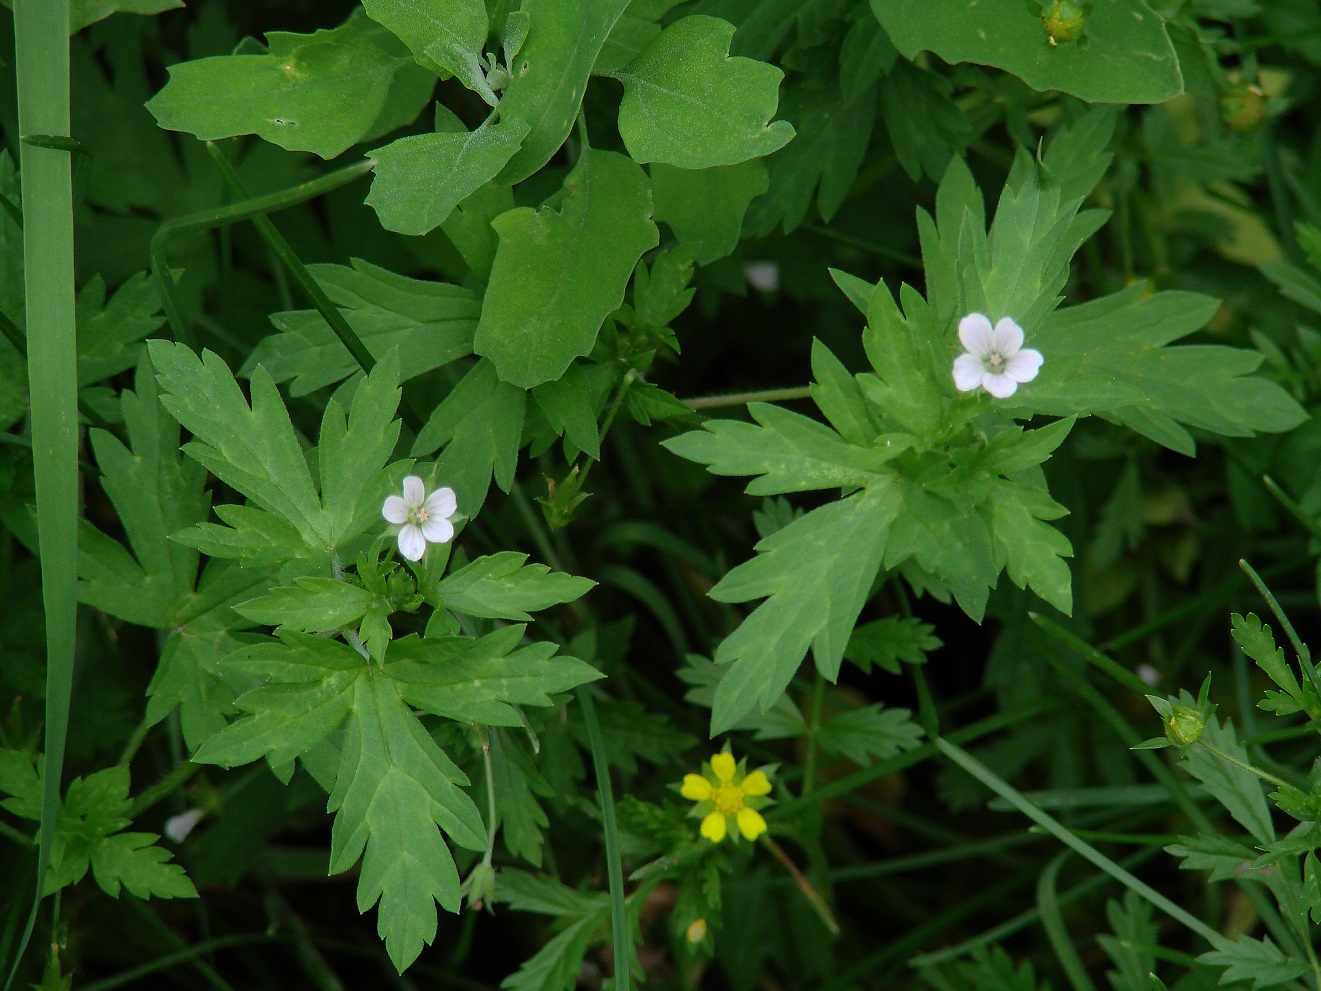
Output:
x=727 y=796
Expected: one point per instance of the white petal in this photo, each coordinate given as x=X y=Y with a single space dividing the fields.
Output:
x=438 y=531
x=441 y=504
x=975 y=333
x=1007 y=337
x=967 y=372
x=178 y=827
x=1023 y=367
x=1000 y=386
x=415 y=493
x=395 y=509
x=412 y=544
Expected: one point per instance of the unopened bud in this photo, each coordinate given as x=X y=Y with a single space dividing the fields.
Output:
x=1064 y=21
x=1184 y=726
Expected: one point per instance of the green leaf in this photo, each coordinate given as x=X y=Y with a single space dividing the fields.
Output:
x=19 y=780
x=394 y=793
x=687 y=103
x=306 y=693
x=570 y=406
x=636 y=28
x=86 y=12
x=817 y=573
x=482 y=680
x=518 y=785
x=885 y=642
x=445 y=37
x=352 y=456
x=1111 y=356
x=549 y=75
x=558 y=274
x=871 y=733
x=1258 y=642
x=257 y=452
x=133 y=861
x=833 y=132
x=319 y=92
x=1134 y=934
x=420 y=179
x=501 y=587
x=109 y=332
x=1259 y=961
x=480 y=424
x=790 y=452
x=310 y=605
x=927 y=128
x=781 y=720
x=430 y=323
x=706 y=207
x=1125 y=56
x=1034 y=552
x=1237 y=789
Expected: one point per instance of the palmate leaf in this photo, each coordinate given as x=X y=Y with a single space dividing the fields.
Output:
x=787 y=451
x=109 y=330
x=255 y=450
x=559 y=273
x=430 y=323
x=1259 y=961
x=394 y=788
x=157 y=493
x=687 y=103
x=871 y=733
x=518 y=785
x=501 y=586
x=395 y=792
x=320 y=92
x=1134 y=934
x=1234 y=787
x=817 y=572
x=706 y=206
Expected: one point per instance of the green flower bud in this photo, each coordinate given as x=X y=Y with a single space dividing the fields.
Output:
x=1184 y=726
x=1243 y=108
x=1064 y=21
x=479 y=888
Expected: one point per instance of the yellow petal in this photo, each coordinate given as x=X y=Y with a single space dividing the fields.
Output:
x=724 y=767
x=713 y=827
x=695 y=788
x=756 y=783
x=750 y=823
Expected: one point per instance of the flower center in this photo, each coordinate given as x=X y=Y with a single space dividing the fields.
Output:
x=419 y=515
x=728 y=799
x=994 y=361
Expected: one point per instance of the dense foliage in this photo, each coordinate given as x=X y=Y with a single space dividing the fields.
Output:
x=690 y=492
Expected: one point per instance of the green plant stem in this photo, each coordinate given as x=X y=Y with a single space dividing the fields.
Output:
x=14 y=836
x=289 y=260
x=619 y=930
x=813 y=727
x=743 y=398
x=1006 y=791
x=196 y=223
x=859 y=779
x=1052 y=920
x=163 y=788
x=41 y=32
x=813 y=896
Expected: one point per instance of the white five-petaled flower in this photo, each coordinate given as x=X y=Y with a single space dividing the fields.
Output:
x=996 y=359
x=424 y=519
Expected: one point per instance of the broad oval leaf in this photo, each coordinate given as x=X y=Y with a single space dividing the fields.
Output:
x=688 y=103
x=1124 y=55
x=319 y=93
x=558 y=274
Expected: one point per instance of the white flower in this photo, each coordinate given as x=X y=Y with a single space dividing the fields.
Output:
x=178 y=827
x=996 y=359
x=424 y=518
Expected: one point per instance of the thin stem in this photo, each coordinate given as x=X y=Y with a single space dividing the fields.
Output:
x=490 y=794
x=743 y=398
x=259 y=206
x=810 y=893
x=298 y=271
x=162 y=789
x=813 y=727
x=1010 y=794
x=1230 y=758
